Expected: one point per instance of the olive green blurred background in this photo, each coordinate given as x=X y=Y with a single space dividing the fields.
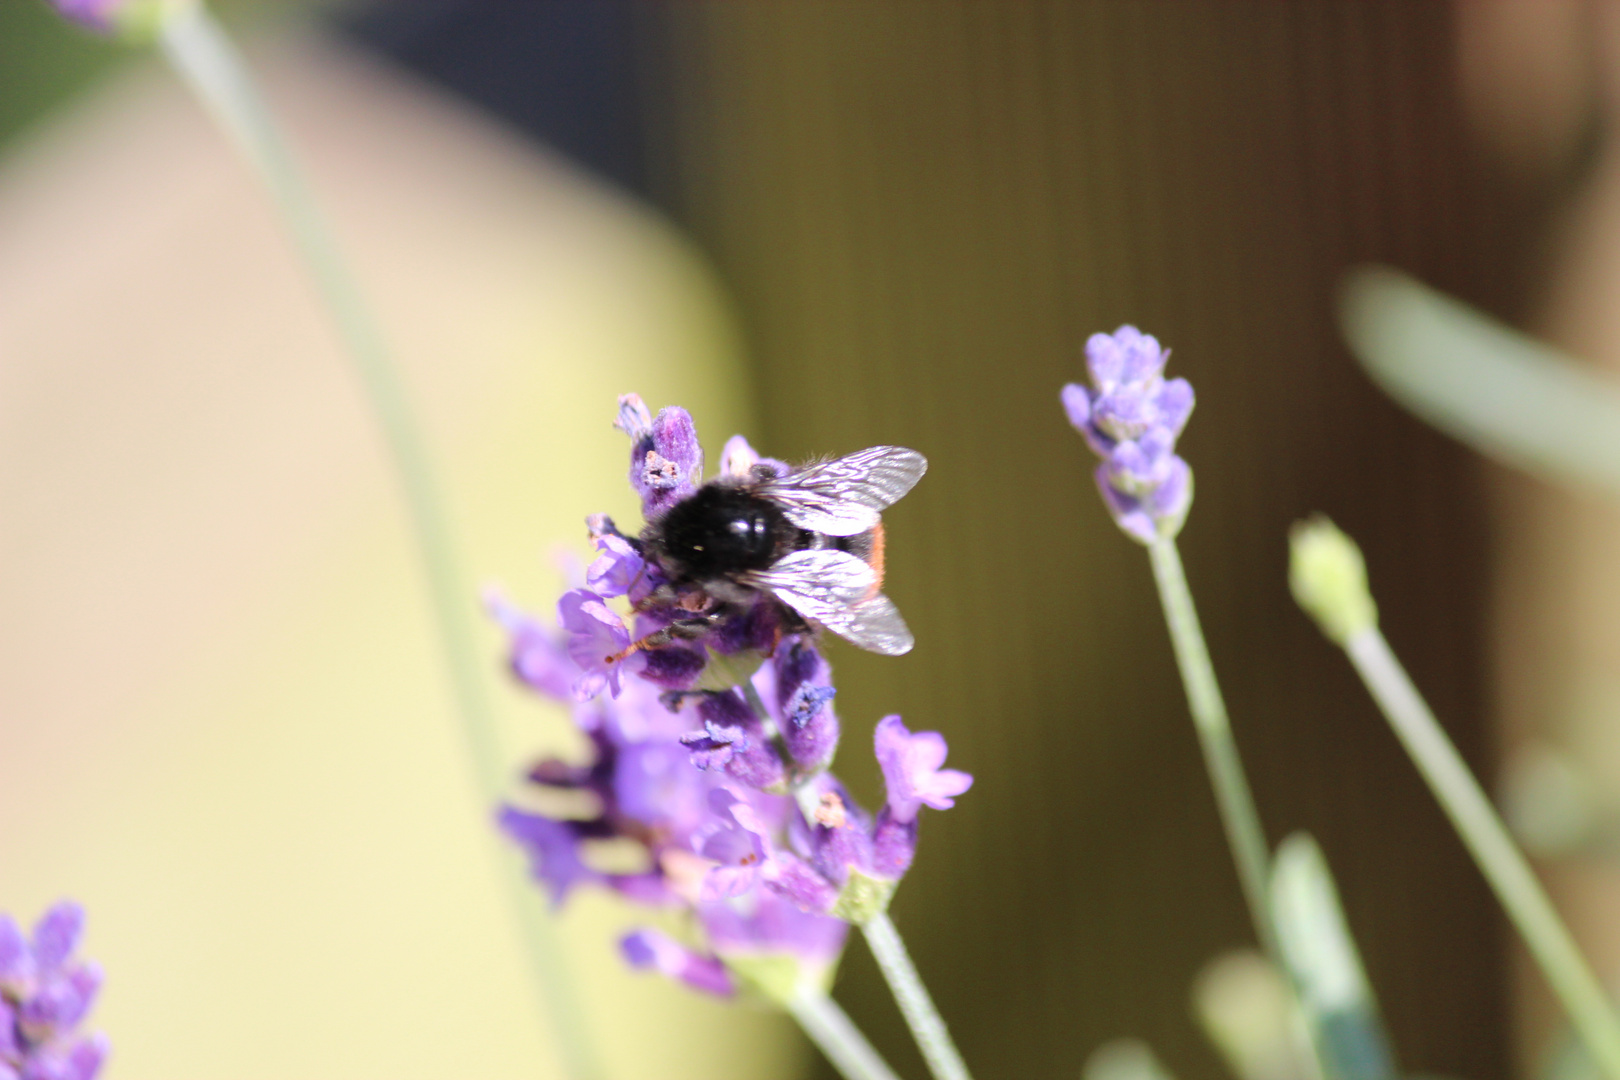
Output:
x=920 y=211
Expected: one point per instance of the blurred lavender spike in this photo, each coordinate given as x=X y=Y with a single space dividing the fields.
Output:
x=1506 y=395
x=1325 y=966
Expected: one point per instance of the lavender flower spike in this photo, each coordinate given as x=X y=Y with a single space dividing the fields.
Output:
x=44 y=994
x=1131 y=417
x=130 y=18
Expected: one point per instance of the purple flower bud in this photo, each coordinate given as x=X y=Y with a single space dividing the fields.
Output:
x=804 y=695
x=911 y=770
x=733 y=741
x=1131 y=419
x=596 y=636
x=57 y=934
x=656 y=951
x=666 y=459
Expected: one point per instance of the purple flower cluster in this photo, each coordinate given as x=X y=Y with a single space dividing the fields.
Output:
x=710 y=758
x=1131 y=417
x=44 y=994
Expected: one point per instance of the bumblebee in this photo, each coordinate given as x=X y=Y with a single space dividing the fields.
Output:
x=810 y=539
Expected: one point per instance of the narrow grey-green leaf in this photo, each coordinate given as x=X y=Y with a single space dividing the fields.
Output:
x=1325 y=966
x=1506 y=395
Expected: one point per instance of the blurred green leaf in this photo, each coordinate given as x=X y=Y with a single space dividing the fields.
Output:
x=1506 y=395
x=1325 y=966
x=1125 y=1059
x=1250 y=1014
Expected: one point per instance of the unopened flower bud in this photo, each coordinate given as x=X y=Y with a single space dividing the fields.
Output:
x=1329 y=579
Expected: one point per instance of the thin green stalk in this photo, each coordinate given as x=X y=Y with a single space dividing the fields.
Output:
x=927 y=1026
x=202 y=54
x=1488 y=840
x=1238 y=813
x=837 y=1037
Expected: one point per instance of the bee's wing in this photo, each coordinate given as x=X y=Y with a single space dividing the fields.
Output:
x=874 y=624
x=844 y=497
x=837 y=590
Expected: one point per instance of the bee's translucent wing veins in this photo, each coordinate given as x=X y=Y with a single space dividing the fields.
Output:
x=873 y=624
x=844 y=497
x=835 y=589
x=817 y=583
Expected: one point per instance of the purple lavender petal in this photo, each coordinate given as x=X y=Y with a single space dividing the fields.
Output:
x=733 y=740
x=652 y=950
x=617 y=569
x=56 y=934
x=595 y=635
x=1175 y=405
x=774 y=924
x=801 y=884
x=537 y=658
x=553 y=849
x=911 y=770
x=656 y=785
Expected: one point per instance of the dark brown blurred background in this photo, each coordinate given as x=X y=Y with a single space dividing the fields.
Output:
x=922 y=210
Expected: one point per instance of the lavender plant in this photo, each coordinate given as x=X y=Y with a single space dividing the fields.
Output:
x=710 y=754
x=45 y=993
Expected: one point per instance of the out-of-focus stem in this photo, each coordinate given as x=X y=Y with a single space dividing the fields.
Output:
x=202 y=54
x=837 y=1037
x=927 y=1026
x=1238 y=814
x=1493 y=849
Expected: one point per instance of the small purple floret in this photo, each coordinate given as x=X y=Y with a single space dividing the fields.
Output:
x=617 y=570
x=911 y=770
x=1131 y=417
x=652 y=950
x=44 y=995
x=596 y=635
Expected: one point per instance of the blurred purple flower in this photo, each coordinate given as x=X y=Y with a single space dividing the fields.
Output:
x=44 y=994
x=1131 y=417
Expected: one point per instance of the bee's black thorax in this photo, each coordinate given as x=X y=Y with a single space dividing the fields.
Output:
x=720 y=531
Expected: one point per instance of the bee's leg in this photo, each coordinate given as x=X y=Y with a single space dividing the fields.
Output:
x=679 y=630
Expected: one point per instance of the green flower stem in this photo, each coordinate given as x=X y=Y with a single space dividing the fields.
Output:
x=1238 y=814
x=927 y=1026
x=201 y=53
x=837 y=1037
x=1487 y=839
